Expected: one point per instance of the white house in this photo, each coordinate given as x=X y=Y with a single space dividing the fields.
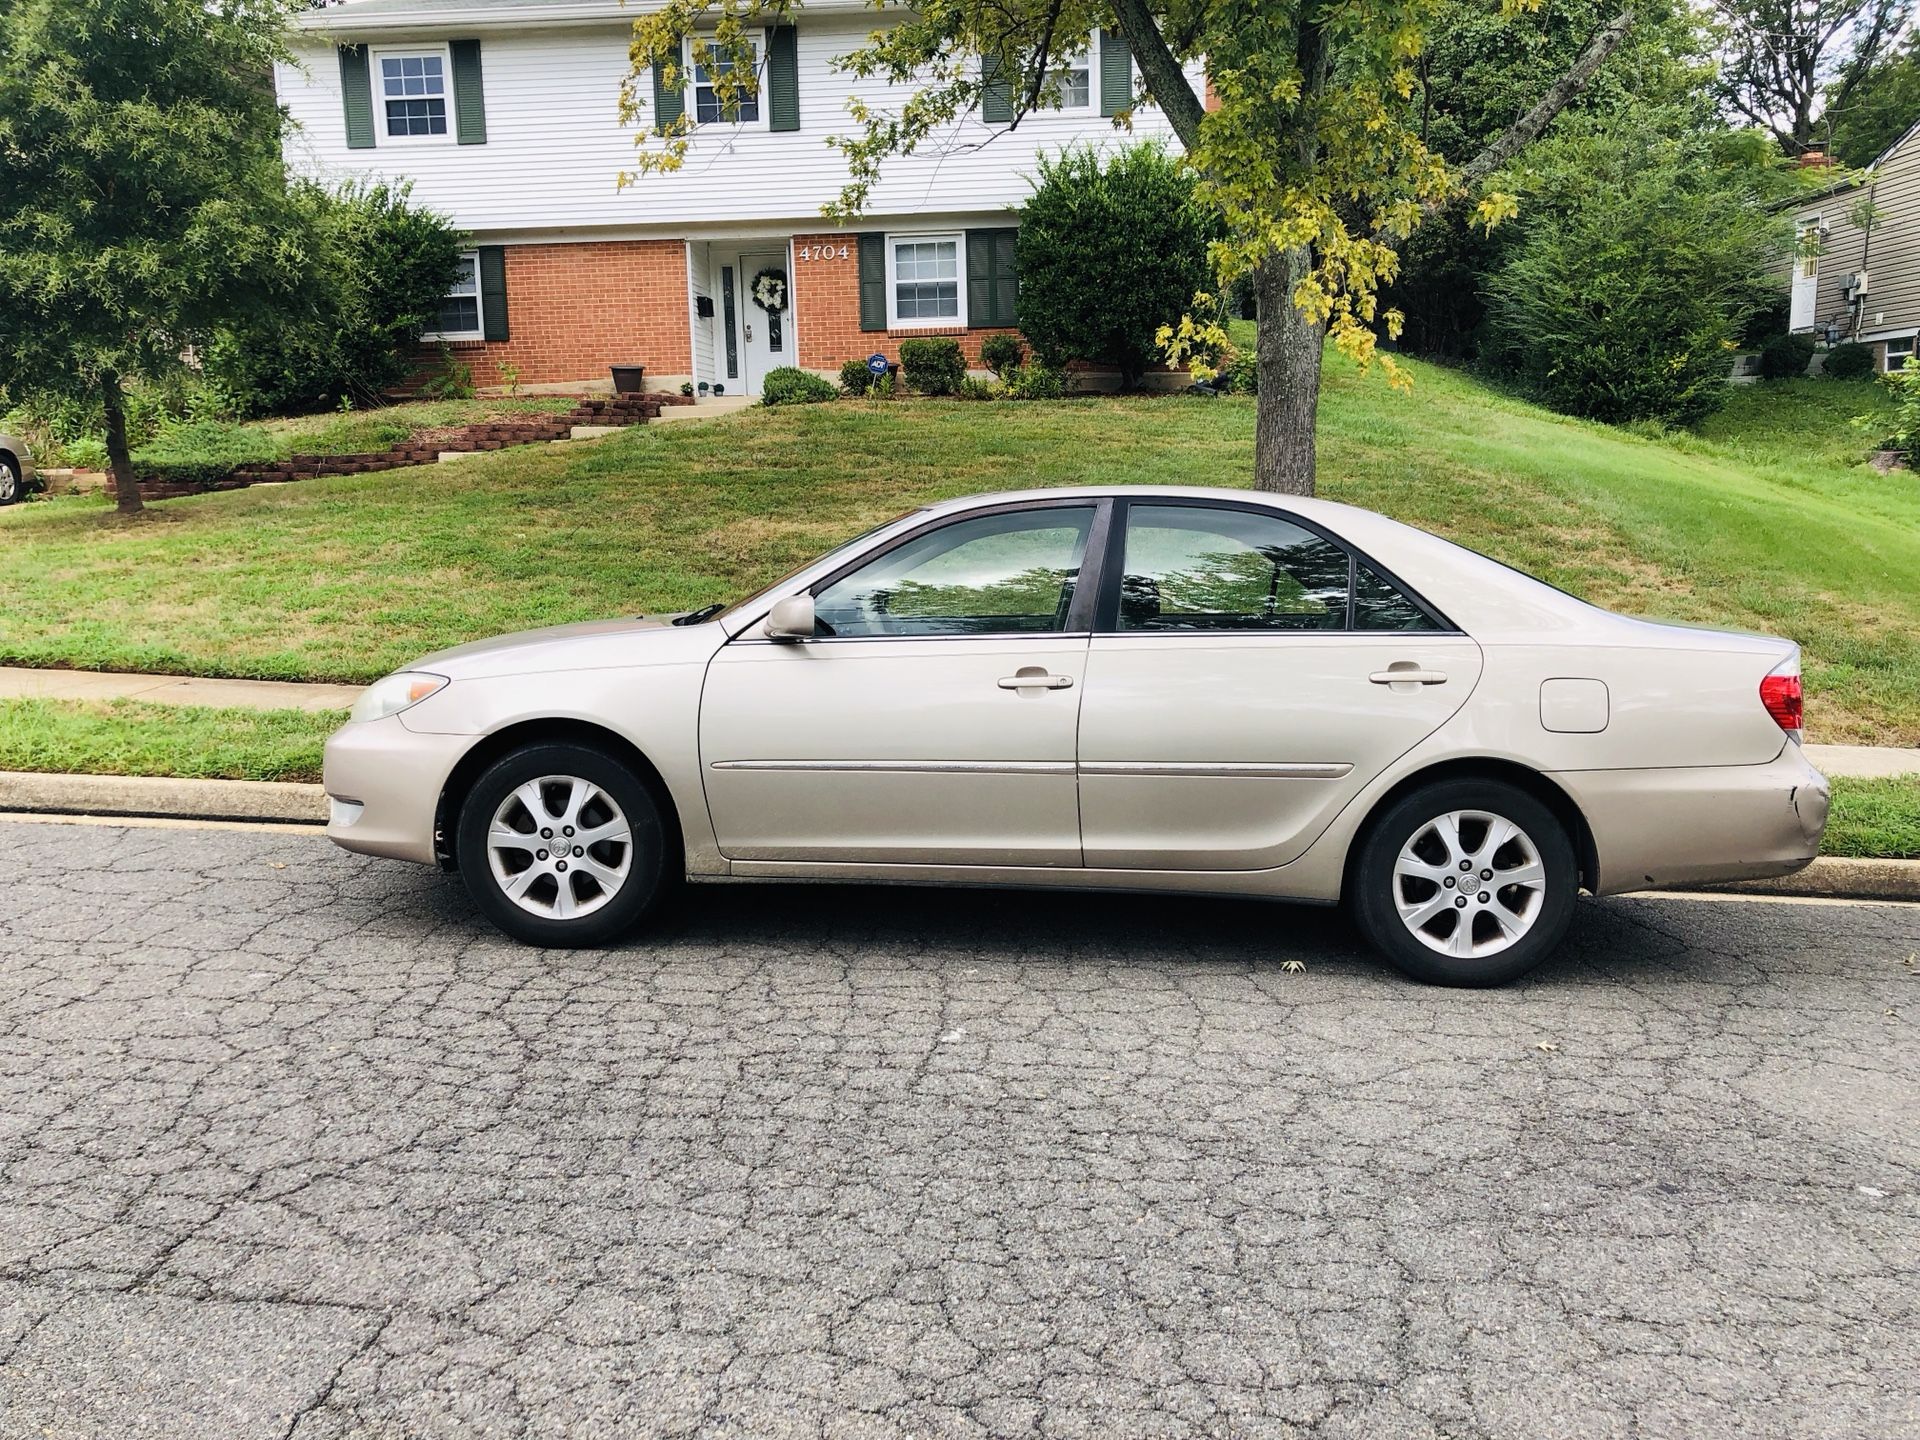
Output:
x=503 y=114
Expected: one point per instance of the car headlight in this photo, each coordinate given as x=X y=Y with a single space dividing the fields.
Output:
x=394 y=694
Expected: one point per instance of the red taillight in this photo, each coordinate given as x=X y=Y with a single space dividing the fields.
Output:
x=1780 y=693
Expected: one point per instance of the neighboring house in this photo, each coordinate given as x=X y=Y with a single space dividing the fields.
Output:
x=503 y=115
x=1856 y=271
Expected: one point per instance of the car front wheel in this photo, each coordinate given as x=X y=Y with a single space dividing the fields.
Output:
x=1466 y=882
x=562 y=845
x=10 y=487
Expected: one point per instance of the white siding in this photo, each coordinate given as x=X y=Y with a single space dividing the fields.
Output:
x=701 y=281
x=555 y=147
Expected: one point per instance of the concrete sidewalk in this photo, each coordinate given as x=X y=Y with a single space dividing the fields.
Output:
x=18 y=683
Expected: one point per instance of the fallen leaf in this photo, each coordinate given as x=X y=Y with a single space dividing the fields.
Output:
x=1548 y=1045
x=1293 y=967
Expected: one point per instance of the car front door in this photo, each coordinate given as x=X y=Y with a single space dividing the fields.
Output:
x=1248 y=676
x=932 y=718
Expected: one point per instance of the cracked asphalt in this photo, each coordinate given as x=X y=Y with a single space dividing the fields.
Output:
x=293 y=1145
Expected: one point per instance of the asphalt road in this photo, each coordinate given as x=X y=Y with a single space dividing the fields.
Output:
x=292 y=1145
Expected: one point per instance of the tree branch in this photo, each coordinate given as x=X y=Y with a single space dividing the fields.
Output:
x=1524 y=131
x=1166 y=81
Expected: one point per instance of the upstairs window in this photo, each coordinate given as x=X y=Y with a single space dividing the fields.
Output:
x=708 y=106
x=413 y=93
x=1075 y=75
x=460 y=307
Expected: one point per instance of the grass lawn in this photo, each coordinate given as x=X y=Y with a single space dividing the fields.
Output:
x=355 y=432
x=126 y=737
x=347 y=578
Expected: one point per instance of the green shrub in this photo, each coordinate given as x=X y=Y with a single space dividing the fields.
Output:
x=1851 y=361
x=1786 y=357
x=1001 y=353
x=198 y=450
x=855 y=378
x=385 y=265
x=89 y=452
x=453 y=380
x=1904 y=385
x=1239 y=372
x=1641 y=249
x=1036 y=380
x=972 y=388
x=789 y=385
x=932 y=366
x=1109 y=253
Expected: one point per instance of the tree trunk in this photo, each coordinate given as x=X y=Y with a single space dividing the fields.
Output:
x=1288 y=352
x=126 y=490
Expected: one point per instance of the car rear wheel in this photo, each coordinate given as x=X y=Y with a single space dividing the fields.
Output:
x=9 y=480
x=1466 y=882
x=562 y=845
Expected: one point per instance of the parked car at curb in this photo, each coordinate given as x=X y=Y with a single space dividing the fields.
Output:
x=16 y=469
x=1180 y=690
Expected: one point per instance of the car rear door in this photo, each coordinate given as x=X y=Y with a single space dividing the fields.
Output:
x=931 y=720
x=1248 y=675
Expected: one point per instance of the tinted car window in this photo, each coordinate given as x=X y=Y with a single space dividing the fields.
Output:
x=1012 y=573
x=1377 y=605
x=1204 y=568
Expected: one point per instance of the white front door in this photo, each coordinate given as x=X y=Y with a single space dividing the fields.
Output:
x=766 y=339
x=1806 y=277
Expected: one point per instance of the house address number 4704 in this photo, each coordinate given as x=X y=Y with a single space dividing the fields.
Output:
x=822 y=252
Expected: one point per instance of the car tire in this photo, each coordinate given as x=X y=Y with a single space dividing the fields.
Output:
x=1445 y=849
x=554 y=798
x=10 y=487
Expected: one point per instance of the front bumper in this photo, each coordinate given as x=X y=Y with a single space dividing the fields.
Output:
x=384 y=783
x=1689 y=825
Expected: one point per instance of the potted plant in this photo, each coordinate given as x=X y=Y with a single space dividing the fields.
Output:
x=628 y=379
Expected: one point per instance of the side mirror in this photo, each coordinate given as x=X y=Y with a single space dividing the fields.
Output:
x=791 y=619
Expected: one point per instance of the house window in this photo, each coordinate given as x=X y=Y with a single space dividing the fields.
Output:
x=1898 y=353
x=1809 y=247
x=413 y=93
x=923 y=281
x=1075 y=75
x=708 y=106
x=460 y=307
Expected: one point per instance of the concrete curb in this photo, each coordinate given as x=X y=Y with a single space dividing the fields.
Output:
x=145 y=796
x=1832 y=877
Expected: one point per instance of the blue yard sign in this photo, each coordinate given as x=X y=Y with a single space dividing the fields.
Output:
x=877 y=363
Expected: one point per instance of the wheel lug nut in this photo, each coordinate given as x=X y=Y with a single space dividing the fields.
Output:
x=539 y=854
x=546 y=834
x=1486 y=874
x=577 y=850
x=1466 y=865
x=561 y=866
x=1459 y=902
x=1449 y=882
x=569 y=830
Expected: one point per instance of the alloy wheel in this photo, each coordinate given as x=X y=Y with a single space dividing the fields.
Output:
x=559 y=847
x=1469 y=883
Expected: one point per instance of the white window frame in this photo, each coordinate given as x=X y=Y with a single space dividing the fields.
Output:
x=479 y=331
x=895 y=321
x=402 y=52
x=1082 y=61
x=1806 y=260
x=758 y=39
x=1886 y=352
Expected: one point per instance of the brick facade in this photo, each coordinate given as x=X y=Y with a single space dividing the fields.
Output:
x=826 y=307
x=573 y=310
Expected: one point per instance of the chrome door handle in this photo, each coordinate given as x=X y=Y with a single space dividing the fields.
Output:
x=1408 y=677
x=1035 y=680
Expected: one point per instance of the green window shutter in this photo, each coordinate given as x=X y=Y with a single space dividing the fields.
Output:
x=783 y=78
x=356 y=93
x=668 y=105
x=1116 y=73
x=996 y=98
x=493 y=292
x=469 y=97
x=992 y=278
x=873 y=281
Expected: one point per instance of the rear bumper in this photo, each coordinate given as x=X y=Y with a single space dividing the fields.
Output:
x=1685 y=826
x=384 y=783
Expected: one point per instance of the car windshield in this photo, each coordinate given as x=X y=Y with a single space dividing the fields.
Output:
x=834 y=554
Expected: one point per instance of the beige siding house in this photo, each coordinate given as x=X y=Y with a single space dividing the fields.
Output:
x=1856 y=275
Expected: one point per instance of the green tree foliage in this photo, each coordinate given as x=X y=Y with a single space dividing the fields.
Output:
x=1111 y=251
x=384 y=266
x=1308 y=153
x=1641 y=249
x=1883 y=105
x=142 y=202
x=1780 y=60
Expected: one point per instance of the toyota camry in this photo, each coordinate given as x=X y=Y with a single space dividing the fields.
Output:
x=1209 y=691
